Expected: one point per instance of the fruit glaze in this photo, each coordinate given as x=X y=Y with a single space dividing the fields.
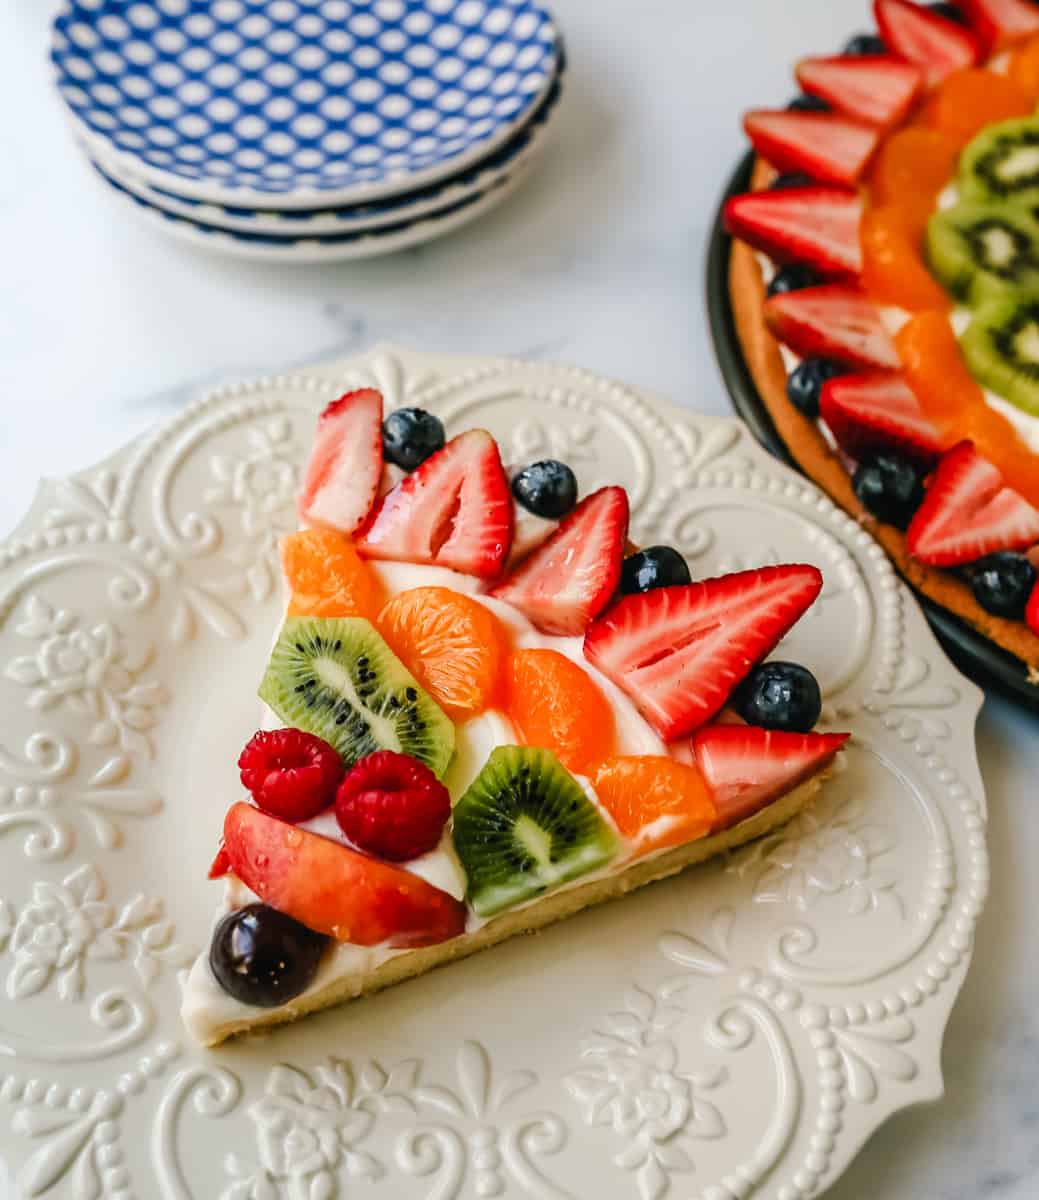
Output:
x=482 y=696
x=895 y=220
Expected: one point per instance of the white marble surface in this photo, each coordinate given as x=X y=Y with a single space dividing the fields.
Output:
x=106 y=327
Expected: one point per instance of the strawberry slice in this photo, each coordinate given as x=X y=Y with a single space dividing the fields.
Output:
x=932 y=42
x=968 y=512
x=1032 y=611
x=747 y=767
x=678 y=652
x=333 y=889
x=832 y=321
x=1000 y=23
x=877 y=410
x=454 y=511
x=817 y=225
x=875 y=88
x=570 y=578
x=828 y=147
x=345 y=466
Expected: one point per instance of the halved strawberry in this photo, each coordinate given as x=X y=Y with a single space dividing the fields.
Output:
x=333 y=889
x=454 y=511
x=678 y=652
x=832 y=321
x=570 y=578
x=1032 y=611
x=1000 y=23
x=877 y=410
x=830 y=148
x=876 y=88
x=932 y=42
x=342 y=477
x=817 y=225
x=747 y=767
x=968 y=512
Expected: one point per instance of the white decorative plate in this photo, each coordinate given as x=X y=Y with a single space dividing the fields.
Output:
x=736 y=1032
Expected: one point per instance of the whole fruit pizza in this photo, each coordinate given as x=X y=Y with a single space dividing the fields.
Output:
x=483 y=711
x=885 y=286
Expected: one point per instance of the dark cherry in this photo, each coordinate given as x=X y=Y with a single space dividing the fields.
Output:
x=654 y=567
x=410 y=436
x=547 y=489
x=262 y=957
x=804 y=384
x=792 y=278
x=890 y=487
x=779 y=695
x=1002 y=584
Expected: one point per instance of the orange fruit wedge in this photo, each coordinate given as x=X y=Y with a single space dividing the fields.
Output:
x=326 y=576
x=655 y=801
x=893 y=266
x=1023 y=68
x=451 y=643
x=971 y=99
x=555 y=705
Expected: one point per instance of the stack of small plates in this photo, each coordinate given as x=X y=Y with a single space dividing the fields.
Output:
x=309 y=130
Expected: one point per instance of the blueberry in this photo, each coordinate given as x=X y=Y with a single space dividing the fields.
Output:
x=262 y=957
x=654 y=567
x=864 y=43
x=804 y=385
x=1002 y=584
x=547 y=489
x=792 y=278
x=790 y=179
x=890 y=487
x=806 y=103
x=410 y=436
x=951 y=12
x=779 y=695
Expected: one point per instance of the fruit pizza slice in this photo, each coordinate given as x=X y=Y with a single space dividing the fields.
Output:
x=884 y=280
x=483 y=713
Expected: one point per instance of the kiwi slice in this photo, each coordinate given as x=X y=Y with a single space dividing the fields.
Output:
x=1001 y=346
x=335 y=677
x=984 y=251
x=1002 y=163
x=524 y=826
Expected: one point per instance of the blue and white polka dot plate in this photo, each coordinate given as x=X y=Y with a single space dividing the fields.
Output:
x=364 y=243
x=300 y=103
x=516 y=153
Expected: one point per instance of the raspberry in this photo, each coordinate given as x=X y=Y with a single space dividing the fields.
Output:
x=392 y=806
x=291 y=774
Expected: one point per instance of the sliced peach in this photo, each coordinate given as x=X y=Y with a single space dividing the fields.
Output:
x=333 y=889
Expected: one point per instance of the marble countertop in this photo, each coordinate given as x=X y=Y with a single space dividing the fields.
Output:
x=598 y=260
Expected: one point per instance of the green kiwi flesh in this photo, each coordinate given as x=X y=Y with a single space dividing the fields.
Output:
x=1001 y=346
x=1002 y=163
x=335 y=677
x=984 y=251
x=525 y=826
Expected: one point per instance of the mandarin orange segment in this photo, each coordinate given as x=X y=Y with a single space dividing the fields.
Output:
x=555 y=705
x=326 y=576
x=971 y=99
x=935 y=369
x=655 y=801
x=893 y=267
x=1023 y=68
x=913 y=166
x=451 y=643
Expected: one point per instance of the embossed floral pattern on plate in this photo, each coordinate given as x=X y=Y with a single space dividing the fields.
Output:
x=737 y=1032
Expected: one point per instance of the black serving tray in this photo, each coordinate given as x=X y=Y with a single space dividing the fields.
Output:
x=987 y=664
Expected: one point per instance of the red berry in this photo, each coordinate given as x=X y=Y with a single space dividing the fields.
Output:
x=392 y=806
x=291 y=774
